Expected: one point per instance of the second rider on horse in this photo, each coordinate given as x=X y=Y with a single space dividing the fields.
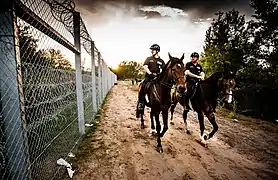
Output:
x=153 y=66
x=194 y=72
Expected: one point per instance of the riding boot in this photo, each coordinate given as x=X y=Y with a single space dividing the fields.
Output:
x=141 y=100
x=141 y=96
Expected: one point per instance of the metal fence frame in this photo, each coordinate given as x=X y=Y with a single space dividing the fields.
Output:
x=17 y=164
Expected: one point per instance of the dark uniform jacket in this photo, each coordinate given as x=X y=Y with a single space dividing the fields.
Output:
x=155 y=65
x=194 y=69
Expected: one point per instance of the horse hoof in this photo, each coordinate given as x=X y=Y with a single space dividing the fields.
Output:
x=172 y=123
x=188 y=132
x=159 y=149
x=205 y=137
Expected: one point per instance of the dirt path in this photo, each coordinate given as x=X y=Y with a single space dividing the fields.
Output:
x=119 y=149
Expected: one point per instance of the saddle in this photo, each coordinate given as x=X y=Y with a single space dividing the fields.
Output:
x=182 y=95
x=148 y=85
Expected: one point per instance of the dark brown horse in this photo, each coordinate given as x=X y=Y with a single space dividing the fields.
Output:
x=204 y=100
x=158 y=94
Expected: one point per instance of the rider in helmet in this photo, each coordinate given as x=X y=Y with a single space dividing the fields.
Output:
x=194 y=71
x=153 y=66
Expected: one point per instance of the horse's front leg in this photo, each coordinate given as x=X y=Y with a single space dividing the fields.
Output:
x=165 y=121
x=174 y=103
x=152 y=122
x=202 y=127
x=172 y=110
x=185 y=112
x=158 y=129
x=211 y=119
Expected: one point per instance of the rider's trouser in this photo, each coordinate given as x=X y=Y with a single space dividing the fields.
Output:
x=142 y=91
x=189 y=93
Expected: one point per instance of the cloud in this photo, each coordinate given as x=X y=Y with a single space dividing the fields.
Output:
x=126 y=31
x=196 y=8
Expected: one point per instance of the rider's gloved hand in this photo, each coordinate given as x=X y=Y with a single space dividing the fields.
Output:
x=201 y=78
x=152 y=75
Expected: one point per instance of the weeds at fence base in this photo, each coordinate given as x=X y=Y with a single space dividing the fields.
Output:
x=85 y=147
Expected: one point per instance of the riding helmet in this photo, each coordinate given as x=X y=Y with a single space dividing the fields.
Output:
x=155 y=47
x=195 y=54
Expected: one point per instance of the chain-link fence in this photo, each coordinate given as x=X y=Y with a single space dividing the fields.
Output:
x=53 y=80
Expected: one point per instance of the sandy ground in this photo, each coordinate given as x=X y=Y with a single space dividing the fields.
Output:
x=119 y=149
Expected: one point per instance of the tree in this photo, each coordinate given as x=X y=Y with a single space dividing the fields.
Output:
x=128 y=69
x=252 y=49
x=265 y=36
x=59 y=60
x=226 y=40
x=31 y=55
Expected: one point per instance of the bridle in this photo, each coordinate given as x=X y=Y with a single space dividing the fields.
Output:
x=173 y=80
x=221 y=94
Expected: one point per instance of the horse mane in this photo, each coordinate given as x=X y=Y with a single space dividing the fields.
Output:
x=213 y=78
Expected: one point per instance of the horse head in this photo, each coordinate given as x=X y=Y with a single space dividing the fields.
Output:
x=175 y=72
x=226 y=84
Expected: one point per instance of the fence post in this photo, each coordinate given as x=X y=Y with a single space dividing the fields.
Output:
x=78 y=73
x=102 y=80
x=105 y=80
x=99 y=80
x=93 y=78
x=12 y=112
x=109 y=79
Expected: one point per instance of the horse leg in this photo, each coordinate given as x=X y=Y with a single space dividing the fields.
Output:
x=172 y=109
x=185 y=112
x=152 y=123
x=142 y=120
x=158 y=129
x=165 y=122
x=211 y=119
x=202 y=127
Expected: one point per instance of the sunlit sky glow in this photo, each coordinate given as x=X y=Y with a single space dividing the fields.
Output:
x=125 y=35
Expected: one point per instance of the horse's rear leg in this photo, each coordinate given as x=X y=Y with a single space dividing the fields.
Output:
x=158 y=129
x=185 y=112
x=142 y=120
x=211 y=119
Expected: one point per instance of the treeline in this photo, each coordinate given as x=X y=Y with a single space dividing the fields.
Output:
x=129 y=70
x=252 y=49
x=31 y=54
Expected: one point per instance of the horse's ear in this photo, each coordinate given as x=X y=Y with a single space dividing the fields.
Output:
x=182 y=57
x=169 y=55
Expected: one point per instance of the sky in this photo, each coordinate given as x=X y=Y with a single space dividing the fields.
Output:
x=123 y=30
